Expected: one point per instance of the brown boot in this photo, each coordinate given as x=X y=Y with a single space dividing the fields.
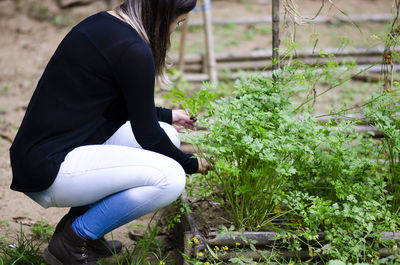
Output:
x=72 y=214
x=68 y=248
x=101 y=246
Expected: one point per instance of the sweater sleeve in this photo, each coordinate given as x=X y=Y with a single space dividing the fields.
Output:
x=164 y=115
x=135 y=74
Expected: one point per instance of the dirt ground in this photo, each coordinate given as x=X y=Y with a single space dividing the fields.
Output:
x=30 y=31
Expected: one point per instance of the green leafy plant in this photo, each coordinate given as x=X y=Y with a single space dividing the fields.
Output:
x=181 y=208
x=39 y=11
x=63 y=20
x=255 y=138
x=4 y=90
x=42 y=230
x=195 y=103
x=384 y=115
x=276 y=166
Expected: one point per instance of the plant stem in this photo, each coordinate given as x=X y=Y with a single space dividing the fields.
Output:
x=332 y=87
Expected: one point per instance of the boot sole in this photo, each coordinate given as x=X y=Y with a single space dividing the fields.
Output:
x=50 y=258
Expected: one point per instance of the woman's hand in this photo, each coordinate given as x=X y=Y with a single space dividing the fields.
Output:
x=203 y=165
x=181 y=118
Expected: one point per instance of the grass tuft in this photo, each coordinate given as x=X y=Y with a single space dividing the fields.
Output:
x=25 y=250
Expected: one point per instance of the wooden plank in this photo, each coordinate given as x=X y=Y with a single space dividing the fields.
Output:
x=204 y=77
x=303 y=254
x=265 y=54
x=264 y=238
x=262 y=64
x=319 y=20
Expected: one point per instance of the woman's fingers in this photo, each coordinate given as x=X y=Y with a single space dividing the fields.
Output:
x=180 y=115
x=203 y=165
x=182 y=119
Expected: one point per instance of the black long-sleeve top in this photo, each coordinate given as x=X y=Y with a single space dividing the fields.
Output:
x=101 y=75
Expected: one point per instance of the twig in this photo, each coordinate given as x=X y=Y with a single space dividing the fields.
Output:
x=332 y=87
x=394 y=31
x=6 y=136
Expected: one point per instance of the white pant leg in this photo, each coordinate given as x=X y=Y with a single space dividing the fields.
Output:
x=124 y=136
x=90 y=173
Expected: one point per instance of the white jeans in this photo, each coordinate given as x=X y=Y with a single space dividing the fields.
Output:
x=93 y=172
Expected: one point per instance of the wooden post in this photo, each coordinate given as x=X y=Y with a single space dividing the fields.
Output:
x=275 y=37
x=185 y=28
x=212 y=70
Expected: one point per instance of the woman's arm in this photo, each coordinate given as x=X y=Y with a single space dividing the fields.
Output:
x=164 y=114
x=135 y=74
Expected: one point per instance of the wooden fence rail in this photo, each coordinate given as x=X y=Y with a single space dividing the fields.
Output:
x=318 y=20
x=267 y=54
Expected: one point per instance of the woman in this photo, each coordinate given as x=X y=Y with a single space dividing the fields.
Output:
x=92 y=139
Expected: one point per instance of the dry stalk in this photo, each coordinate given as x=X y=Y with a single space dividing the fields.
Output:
x=296 y=18
x=388 y=65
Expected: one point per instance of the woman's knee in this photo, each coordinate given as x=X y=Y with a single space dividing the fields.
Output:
x=124 y=135
x=174 y=179
x=172 y=133
x=164 y=188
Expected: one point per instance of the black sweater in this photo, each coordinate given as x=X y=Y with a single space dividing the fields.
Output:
x=101 y=75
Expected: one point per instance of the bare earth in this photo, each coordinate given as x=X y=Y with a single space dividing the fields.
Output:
x=26 y=45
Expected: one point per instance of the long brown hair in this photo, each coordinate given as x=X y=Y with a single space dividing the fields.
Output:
x=152 y=20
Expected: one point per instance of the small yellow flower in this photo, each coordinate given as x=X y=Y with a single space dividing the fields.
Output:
x=206 y=263
x=225 y=248
x=258 y=226
x=237 y=244
x=255 y=262
x=277 y=209
x=162 y=263
x=278 y=235
x=195 y=240
x=200 y=254
x=216 y=248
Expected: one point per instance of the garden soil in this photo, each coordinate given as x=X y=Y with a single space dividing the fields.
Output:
x=29 y=34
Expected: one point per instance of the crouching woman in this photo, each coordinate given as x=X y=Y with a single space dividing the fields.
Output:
x=92 y=138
